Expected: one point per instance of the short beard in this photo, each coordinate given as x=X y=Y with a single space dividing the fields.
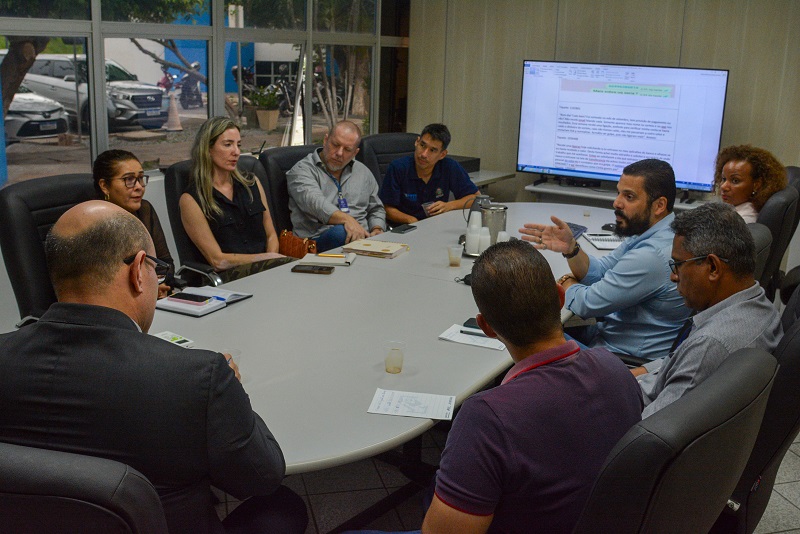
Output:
x=635 y=225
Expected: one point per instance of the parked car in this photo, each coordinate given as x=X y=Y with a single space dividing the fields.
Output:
x=32 y=116
x=130 y=102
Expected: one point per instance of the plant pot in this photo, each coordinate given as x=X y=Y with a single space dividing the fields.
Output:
x=267 y=119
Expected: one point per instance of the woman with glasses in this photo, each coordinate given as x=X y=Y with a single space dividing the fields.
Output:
x=119 y=178
x=224 y=211
x=746 y=176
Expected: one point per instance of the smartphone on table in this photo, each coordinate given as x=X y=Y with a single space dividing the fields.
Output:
x=313 y=269
x=189 y=298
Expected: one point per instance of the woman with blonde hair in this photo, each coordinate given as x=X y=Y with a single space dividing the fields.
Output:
x=225 y=212
x=746 y=176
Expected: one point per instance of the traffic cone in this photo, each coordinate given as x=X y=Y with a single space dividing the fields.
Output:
x=173 y=123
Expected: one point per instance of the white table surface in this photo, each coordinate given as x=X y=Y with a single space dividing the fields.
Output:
x=312 y=354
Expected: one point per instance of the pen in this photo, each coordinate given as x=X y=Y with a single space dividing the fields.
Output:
x=324 y=255
x=473 y=333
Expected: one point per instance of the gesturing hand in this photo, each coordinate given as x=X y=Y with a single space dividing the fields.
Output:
x=557 y=238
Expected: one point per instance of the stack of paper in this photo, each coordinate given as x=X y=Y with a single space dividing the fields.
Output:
x=378 y=249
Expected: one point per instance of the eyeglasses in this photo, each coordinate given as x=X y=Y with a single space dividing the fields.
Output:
x=673 y=265
x=162 y=268
x=130 y=179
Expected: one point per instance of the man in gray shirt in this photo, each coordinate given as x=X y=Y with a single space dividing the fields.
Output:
x=332 y=197
x=713 y=260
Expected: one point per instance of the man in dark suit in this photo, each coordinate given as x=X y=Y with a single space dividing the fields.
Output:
x=88 y=379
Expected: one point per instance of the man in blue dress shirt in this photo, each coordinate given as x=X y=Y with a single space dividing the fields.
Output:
x=426 y=178
x=630 y=288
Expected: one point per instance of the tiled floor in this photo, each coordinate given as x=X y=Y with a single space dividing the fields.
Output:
x=337 y=494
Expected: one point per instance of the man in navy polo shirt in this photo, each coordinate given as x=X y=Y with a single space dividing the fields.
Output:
x=427 y=177
x=522 y=457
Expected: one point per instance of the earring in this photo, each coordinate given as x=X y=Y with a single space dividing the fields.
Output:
x=753 y=193
x=105 y=196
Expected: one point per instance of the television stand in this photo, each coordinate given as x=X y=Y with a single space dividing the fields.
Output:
x=566 y=194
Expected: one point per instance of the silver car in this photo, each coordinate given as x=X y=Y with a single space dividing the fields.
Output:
x=32 y=116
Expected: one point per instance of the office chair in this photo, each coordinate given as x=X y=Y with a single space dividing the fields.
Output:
x=60 y=492
x=791 y=279
x=27 y=211
x=377 y=151
x=779 y=428
x=277 y=161
x=763 y=240
x=777 y=214
x=674 y=470
x=194 y=268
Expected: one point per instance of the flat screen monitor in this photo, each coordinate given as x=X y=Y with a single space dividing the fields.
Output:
x=586 y=120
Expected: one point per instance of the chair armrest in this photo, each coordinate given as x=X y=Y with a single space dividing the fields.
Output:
x=204 y=270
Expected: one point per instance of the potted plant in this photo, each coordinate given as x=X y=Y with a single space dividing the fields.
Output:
x=265 y=100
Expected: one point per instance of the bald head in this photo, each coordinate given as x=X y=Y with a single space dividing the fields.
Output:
x=86 y=246
x=346 y=128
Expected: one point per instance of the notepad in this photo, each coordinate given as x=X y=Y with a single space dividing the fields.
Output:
x=218 y=299
x=337 y=260
x=377 y=249
x=603 y=241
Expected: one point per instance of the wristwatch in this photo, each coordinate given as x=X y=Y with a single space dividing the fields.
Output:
x=570 y=255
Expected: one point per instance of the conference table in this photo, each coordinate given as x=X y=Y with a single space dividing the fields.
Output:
x=312 y=345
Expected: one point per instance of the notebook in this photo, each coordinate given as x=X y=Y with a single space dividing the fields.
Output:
x=378 y=249
x=218 y=299
x=337 y=260
x=603 y=241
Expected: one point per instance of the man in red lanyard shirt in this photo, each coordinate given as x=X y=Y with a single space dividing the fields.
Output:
x=522 y=457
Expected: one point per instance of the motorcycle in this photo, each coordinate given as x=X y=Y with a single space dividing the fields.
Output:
x=190 y=88
x=248 y=81
x=167 y=82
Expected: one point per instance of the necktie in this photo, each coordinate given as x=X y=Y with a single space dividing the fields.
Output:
x=683 y=333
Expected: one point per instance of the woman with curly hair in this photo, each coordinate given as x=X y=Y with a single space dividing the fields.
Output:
x=746 y=176
x=224 y=212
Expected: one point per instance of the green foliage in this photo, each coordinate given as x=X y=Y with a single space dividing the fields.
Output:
x=58 y=46
x=265 y=98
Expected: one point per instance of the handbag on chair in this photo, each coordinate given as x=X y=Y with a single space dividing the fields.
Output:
x=296 y=247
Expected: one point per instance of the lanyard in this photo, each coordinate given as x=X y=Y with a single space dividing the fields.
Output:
x=335 y=182
x=539 y=364
x=342 y=203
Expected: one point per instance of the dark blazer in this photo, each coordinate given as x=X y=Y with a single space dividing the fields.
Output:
x=84 y=379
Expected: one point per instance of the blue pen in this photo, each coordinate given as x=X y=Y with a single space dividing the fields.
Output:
x=217 y=297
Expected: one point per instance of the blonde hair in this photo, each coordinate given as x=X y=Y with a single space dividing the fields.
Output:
x=203 y=167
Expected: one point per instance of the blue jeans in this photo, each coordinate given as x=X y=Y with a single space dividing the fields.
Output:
x=333 y=237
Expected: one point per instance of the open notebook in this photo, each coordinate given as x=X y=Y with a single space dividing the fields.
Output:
x=603 y=241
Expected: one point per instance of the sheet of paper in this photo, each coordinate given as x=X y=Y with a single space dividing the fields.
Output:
x=454 y=334
x=408 y=404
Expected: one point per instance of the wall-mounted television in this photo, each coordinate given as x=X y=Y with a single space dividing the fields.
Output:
x=588 y=121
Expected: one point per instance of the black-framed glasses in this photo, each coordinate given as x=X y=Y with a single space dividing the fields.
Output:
x=130 y=179
x=162 y=267
x=673 y=265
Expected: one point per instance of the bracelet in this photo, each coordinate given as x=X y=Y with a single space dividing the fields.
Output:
x=570 y=255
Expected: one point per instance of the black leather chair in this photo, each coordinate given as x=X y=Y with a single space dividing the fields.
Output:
x=791 y=280
x=194 y=268
x=779 y=428
x=763 y=240
x=277 y=161
x=59 y=492
x=27 y=211
x=777 y=214
x=379 y=150
x=675 y=470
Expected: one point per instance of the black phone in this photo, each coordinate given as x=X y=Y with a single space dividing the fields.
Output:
x=403 y=228
x=190 y=298
x=313 y=269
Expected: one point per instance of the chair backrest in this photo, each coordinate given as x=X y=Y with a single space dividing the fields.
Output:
x=379 y=150
x=763 y=240
x=52 y=491
x=777 y=214
x=27 y=211
x=176 y=180
x=674 y=470
x=277 y=161
x=793 y=177
x=779 y=428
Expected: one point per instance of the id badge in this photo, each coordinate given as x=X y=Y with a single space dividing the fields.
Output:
x=343 y=207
